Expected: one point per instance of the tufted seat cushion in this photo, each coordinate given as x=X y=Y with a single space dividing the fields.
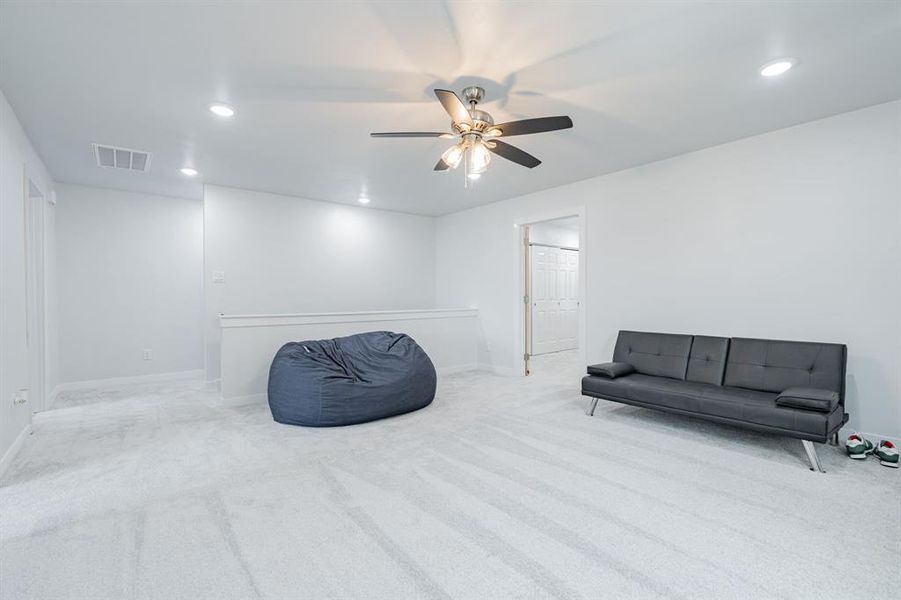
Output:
x=704 y=399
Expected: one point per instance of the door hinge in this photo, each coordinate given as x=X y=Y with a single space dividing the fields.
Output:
x=525 y=299
x=525 y=356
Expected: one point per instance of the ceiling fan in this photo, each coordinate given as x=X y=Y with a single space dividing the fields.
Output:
x=479 y=135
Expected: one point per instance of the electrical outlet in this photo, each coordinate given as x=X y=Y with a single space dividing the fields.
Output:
x=21 y=397
x=148 y=354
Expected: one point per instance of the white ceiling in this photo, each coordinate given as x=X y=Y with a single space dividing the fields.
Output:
x=642 y=81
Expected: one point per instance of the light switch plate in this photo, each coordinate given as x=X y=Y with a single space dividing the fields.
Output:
x=21 y=397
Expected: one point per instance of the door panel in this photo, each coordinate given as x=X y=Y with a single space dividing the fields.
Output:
x=554 y=299
x=569 y=300
x=543 y=302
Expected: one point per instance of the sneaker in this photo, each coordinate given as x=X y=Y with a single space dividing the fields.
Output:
x=887 y=454
x=858 y=446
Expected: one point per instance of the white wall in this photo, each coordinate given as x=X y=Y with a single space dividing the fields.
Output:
x=129 y=278
x=282 y=254
x=792 y=234
x=16 y=157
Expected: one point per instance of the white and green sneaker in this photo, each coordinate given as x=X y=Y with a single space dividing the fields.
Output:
x=858 y=447
x=887 y=454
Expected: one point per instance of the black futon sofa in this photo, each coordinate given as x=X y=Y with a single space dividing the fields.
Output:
x=796 y=389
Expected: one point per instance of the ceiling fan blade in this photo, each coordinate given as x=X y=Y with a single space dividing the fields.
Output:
x=411 y=134
x=454 y=107
x=441 y=166
x=527 y=126
x=514 y=154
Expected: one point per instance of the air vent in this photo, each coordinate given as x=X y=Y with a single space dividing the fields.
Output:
x=111 y=157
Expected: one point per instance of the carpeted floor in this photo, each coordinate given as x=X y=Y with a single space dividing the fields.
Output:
x=503 y=488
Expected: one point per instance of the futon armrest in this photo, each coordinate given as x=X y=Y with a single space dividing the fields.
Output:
x=808 y=399
x=611 y=370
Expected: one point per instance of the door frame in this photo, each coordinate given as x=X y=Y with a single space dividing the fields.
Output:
x=36 y=300
x=522 y=342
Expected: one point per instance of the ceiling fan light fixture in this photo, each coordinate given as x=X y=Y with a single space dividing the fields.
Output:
x=479 y=158
x=478 y=135
x=453 y=155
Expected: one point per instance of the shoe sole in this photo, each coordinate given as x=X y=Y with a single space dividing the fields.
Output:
x=893 y=465
x=857 y=456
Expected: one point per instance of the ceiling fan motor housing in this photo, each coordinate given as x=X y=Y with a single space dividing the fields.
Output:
x=481 y=120
x=473 y=94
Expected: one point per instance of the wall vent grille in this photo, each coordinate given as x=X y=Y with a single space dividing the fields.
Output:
x=112 y=157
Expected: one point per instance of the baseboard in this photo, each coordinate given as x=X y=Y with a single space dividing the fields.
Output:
x=248 y=399
x=457 y=369
x=502 y=371
x=873 y=437
x=197 y=374
x=14 y=448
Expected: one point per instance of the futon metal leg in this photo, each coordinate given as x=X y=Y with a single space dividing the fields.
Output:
x=812 y=456
x=592 y=406
x=833 y=439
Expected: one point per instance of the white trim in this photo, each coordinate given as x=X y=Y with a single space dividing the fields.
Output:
x=226 y=321
x=117 y=381
x=457 y=369
x=242 y=400
x=7 y=459
x=502 y=371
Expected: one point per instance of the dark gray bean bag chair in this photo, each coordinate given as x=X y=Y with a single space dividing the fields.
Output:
x=349 y=380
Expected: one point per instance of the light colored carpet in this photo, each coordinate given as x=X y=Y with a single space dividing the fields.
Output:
x=503 y=488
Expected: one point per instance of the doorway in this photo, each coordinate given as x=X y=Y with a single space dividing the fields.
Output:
x=552 y=290
x=35 y=309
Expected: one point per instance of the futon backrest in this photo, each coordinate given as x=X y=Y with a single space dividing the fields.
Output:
x=660 y=354
x=707 y=361
x=775 y=365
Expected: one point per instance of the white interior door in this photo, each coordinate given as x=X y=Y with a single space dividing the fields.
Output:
x=568 y=269
x=554 y=299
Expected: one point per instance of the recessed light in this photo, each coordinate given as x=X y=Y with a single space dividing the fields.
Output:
x=189 y=171
x=474 y=176
x=222 y=110
x=777 y=67
x=363 y=200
